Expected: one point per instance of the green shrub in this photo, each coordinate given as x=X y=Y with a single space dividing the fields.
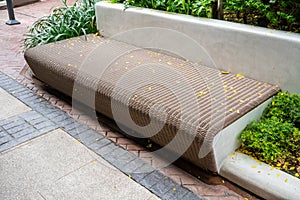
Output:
x=286 y=107
x=277 y=14
x=271 y=139
x=200 y=8
x=64 y=22
x=275 y=138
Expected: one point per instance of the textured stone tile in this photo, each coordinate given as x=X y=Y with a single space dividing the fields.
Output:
x=10 y=106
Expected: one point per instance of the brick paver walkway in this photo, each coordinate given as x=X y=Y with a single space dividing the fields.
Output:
x=12 y=63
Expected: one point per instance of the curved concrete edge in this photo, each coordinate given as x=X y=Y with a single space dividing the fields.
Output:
x=226 y=141
x=260 y=178
x=263 y=54
x=2 y=4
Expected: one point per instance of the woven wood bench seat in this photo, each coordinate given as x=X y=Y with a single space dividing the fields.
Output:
x=221 y=97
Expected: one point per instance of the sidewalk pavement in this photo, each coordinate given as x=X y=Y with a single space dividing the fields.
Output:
x=46 y=154
x=56 y=166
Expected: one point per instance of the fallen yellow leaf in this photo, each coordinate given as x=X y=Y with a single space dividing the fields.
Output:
x=224 y=72
x=292 y=168
x=201 y=93
x=240 y=76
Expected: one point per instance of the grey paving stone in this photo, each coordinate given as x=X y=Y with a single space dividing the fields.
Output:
x=6 y=84
x=99 y=144
x=71 y=129
x=16 y=89
x=47 y=129
x=114 y=157
x=3 y=79
x=163 y=186
x=24 y=132
x=2 y=134
x=177 y=194
x=8 y=145
x=46 y=110
x=89 y=137
x=12 y=123
x=106 y=149
x=82 y=128
x=27 y=137
x=191 y=196
x=134 y=165
x=53 y=114
x=76 y=128
x=44 y=124
x=19 y=128
x=36 y=121
x=124 y=159
x=60 y=118
x=32 y=98
x=23 y=94
x=152 y=179
x=138 y=176
x=5 y=139
x=30 y=116
x=66 y=122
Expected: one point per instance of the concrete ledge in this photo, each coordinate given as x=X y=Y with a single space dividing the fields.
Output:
x=263 y=54
x=260 y=178
x=17 y=3
x=226 y=141
x=2 y=4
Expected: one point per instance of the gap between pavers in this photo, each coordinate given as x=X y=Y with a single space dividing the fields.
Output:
x=56 y=166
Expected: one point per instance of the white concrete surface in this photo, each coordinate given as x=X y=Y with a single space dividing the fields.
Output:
x=56 y=166
x=260 y=178
x=226 y=141
x=10 y=106
x=263 y=54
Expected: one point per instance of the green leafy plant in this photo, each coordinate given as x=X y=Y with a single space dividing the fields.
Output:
x=275 y=139
x=64 y=22
x=286 y=107
x=201 y=8
x=278 y=14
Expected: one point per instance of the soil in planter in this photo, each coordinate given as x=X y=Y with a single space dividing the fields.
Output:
x=275 y=138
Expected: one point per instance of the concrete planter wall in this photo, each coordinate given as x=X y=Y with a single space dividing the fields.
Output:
x=17 y=3
x=259 y=53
